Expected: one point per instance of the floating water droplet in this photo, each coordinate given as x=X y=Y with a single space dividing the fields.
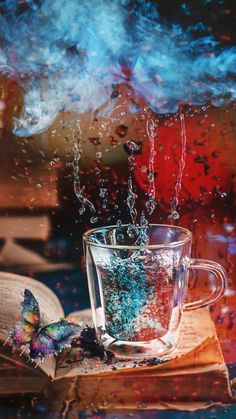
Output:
x=93 y=220
x=131 y=230
x=99 y=155
x=150 y=177
x=150 y=205
x=121 y=237
x=38 y=186
x=174 y=216
x=102 y=192
x=119 y=223
x=132 y=146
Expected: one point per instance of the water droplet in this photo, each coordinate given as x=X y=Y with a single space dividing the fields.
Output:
x=38 y=186
x=102 y=192
x=132 y=146
x=93 y=220
x=150 y=177
x=99 y=155
x=174 y=216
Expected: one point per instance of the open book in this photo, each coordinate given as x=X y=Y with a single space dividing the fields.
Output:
x=194 y=372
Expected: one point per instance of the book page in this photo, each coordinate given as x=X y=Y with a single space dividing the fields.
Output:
x=196 y=328
x=11 y=295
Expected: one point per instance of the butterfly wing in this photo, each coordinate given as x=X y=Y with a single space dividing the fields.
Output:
x=51 y=339
x=24 y=330
x=30 y=309
x=21 y=333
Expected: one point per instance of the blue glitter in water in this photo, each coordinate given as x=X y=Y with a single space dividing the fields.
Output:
x=126 y=293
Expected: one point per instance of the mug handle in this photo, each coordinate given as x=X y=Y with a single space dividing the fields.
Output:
x=220 y=282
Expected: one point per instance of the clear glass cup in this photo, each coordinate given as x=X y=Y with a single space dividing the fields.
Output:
x=138 y=292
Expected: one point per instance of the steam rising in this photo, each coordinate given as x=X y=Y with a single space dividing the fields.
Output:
x=67 y=55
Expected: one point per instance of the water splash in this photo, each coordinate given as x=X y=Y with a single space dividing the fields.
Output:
x=131 y=198
x=175 y=201
x=78 y=189
x=142 y=238
x=81 y=52
x=151 y=202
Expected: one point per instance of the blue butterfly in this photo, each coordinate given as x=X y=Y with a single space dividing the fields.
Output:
x=42 y=340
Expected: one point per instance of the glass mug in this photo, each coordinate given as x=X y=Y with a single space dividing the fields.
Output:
x=138 y=292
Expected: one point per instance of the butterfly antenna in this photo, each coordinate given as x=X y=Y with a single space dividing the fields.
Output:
x=22 y=351
x=36 y=364
x=7 y=340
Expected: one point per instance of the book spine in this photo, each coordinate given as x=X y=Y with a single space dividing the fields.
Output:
x=140 y=392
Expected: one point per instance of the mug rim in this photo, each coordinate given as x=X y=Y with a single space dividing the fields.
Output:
x=186 y=239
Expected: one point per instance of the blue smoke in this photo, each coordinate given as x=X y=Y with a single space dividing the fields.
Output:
x=67 y=55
